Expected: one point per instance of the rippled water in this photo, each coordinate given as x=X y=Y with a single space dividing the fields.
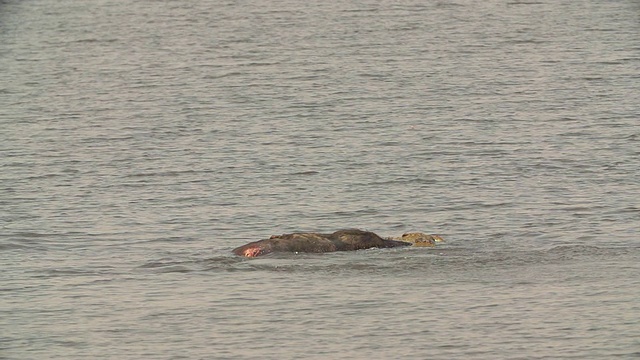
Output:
x=142 y=141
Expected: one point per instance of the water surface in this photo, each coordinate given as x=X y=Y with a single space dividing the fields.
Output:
x=142 y=141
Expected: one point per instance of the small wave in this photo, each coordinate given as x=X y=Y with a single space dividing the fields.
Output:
x=220 y=76
x=578 y=250
x=171 y=265
x=95 y=40
x=8 y=246
x=167 y=173
x=310 y=172
x=29 y=234
x=511 y=3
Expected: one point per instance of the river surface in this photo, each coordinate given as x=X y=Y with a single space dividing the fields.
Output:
x=141 y=141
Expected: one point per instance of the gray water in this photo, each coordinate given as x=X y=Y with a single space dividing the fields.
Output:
x=142 y=140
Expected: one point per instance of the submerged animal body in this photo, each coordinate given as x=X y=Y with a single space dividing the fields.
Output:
x=341 y=240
